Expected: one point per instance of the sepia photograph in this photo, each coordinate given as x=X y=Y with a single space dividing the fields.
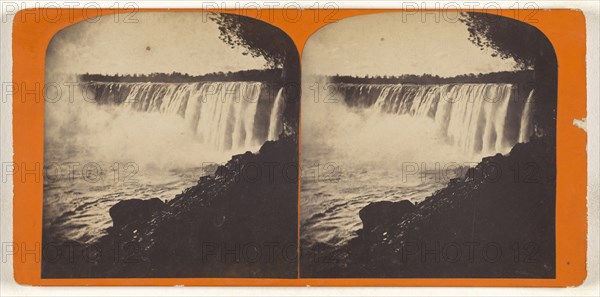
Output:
x=171 y=148
x=300 y=148
x=428 y=148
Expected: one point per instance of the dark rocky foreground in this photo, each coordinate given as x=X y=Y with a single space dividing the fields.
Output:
x=498 y=220
x=239 y=222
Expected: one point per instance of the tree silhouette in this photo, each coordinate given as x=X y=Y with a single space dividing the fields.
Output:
x=509 y=38
x=258 y=38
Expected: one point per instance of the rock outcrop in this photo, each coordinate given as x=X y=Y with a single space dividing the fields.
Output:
x=496 y=221
x=239 y=222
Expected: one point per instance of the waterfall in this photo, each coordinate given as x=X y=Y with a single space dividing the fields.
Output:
x=525 y=131
x=223 y=115
x=275 y=125
x=478 y=118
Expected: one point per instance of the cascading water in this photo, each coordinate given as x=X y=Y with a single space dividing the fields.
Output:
x=275 y=125
x=223 y=115
x=525 y=131
x=473 y=117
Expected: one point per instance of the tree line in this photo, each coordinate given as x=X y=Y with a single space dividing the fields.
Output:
x=494 y=77
x=263 y=75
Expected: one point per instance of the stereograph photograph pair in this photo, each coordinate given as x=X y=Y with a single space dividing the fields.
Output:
x=389 y=145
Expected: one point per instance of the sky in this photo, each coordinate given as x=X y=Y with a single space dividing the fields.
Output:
x=396 y=44
x=158 y=42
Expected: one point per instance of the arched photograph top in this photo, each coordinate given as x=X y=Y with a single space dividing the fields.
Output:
x=149 y=146
x=423 y=118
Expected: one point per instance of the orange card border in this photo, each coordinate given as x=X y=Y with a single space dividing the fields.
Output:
x=34 y=28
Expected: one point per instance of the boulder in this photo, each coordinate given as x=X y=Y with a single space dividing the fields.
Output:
x=127 y=211
x=383 y=212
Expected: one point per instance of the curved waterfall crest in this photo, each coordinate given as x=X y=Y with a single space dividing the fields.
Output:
x=225 y=116
x=479 y=118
